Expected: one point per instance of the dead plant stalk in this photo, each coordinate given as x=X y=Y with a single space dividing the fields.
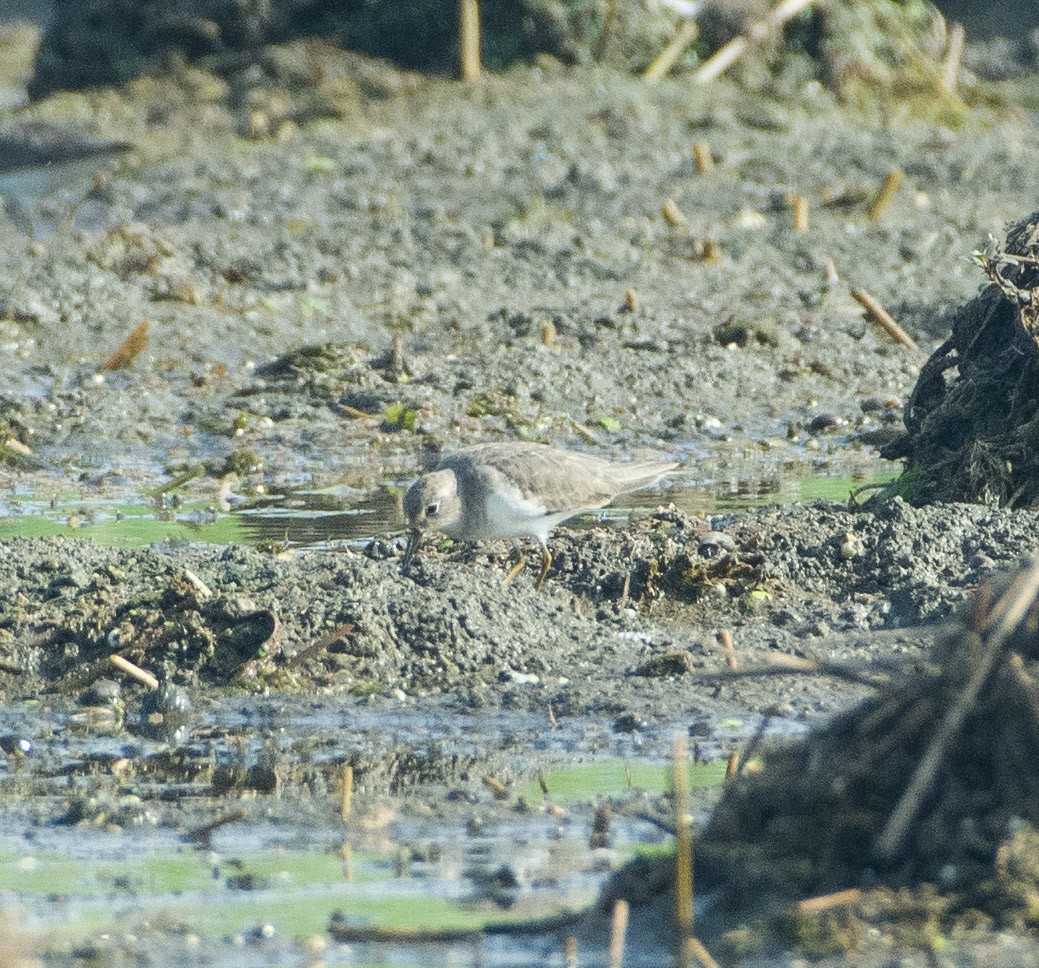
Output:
x=683 y=846
x=1006 y=615
x=727 y=55
x=879 y=315
x=668 y=57
x=135 y=672
x=469 y=39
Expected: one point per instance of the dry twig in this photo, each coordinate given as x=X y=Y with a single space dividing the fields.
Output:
x=469 y=39
x=676 y=47
x=876 y=312
x=727 y=55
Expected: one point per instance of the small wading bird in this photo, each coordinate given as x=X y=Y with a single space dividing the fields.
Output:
x=515 y=490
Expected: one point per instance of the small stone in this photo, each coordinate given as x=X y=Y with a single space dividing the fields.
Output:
x=715 y=543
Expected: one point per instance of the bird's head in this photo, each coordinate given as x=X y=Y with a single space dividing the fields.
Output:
x=430 y=504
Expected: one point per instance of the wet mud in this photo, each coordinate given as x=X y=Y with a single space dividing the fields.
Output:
x=345 y=268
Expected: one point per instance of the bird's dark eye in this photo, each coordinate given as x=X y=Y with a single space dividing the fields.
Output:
x=431 y=510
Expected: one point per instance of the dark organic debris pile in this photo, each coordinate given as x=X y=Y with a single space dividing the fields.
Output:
x=929 y=791
x=859 y=48
x=972 y=421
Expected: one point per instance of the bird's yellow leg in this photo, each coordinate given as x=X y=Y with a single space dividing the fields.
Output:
x=515 y=569
x=546 y=563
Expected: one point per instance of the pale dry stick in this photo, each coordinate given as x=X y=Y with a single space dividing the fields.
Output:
x=131 y=347
x=348 y=791
x=618 y=933
x=570 y=951
x=347 y=854
x=201 y=588
x=727 y=55
x=700 y=953
x=135 y=672
x=792 y=665
x=953 y=57
x=1003 y=620
x=799 y=209
x=830 y=275
x=683 y=846
x=826 y=902
x=622 y=602
x=876 y=312
x=499 y=789
x=725 y=639
x=722 y=59
x=469 y=39
x=674 y=49
x=888 y=190
x=703 y=156
x=672 y=214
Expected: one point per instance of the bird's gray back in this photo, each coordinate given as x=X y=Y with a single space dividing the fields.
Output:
x=560 y=480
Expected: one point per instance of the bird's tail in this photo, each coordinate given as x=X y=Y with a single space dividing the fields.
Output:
x=635 y=476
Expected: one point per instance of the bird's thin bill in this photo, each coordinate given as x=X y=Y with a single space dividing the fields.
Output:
x=409 y=551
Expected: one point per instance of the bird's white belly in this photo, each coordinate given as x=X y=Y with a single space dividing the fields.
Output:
x=506 y=513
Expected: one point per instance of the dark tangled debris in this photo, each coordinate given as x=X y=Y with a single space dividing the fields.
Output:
x=925 y=798
x=972 y=421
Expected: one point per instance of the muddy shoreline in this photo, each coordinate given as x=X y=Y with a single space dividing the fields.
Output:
x=392 y=264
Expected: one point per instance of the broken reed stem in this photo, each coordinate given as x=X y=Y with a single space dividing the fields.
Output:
x=347 y=854
x=469 y=39
x=695 y=947
x=607 y=29
x=1003 y=620
x=135 y=672
x=570 y=951
x=725 y=639
x=499 y=789
x=683 y=845
x=618 y=933
x=672 y=214
x=201 y=588
x=953 y=57
x=703 y=157
x=879 y=315
x=826 y=902
x=722 y=59
x=792 y=665
x=348 y=791
x=675 y=48
x=727 y=55
x=892 y=182
x=131 y=347
x=799 y=209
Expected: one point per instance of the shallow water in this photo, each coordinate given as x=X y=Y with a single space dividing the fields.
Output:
x=119 y=511
x=131 y=875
